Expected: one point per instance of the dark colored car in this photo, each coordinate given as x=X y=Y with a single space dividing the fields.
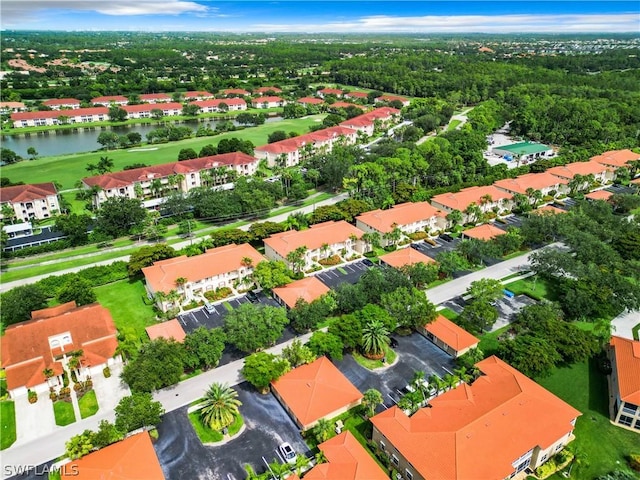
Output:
x=252 y=297
x=393 y=343
x=446 y=237
x=367 y=262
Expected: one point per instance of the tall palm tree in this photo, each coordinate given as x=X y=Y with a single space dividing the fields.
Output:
x=323 y=430
x=301 y=463
x=279 y=470
x=436 y=382
x=220 y=406
x=370 y=400
x=375 y=337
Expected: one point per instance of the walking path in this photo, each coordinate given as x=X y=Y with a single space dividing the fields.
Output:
x=462 y=117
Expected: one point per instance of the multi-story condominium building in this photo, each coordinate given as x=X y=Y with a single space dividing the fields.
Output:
x=367 y=122
x=501 y=426
x=62 y=103
x=322 y=240
x=213 y=105
x=600 y=172
x=157 y=181
x=392 y=98
x=143 y=110
x=155 y=97
x=197 y=95
x=408 y=217
x=110 y=100
x=235 y=92
x=546 y=183
x=267 y=90
x=357 y=95
x=267 y=102
x=189 y=278
x=624 y=383
x=616 y=158
x=310 y=101
x=35 y=353
x=38 y=200
x=329 y=91
x=451 y=338
x=308 y=289
x=12 y=107
x=487 y=198
x=291 y=151
x=59 y=117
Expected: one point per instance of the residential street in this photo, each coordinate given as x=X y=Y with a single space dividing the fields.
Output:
x=43 y=449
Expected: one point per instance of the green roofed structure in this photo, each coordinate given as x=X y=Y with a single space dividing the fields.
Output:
x=524 y=151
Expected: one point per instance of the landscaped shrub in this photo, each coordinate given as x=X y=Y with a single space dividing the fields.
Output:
x=49 y=247
x=32 y=396
x=634 y=461
x=417 y=236
x=218 y=294
x=332 y=260
x=106 y=371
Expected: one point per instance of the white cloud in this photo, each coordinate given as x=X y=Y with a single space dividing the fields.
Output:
x=22 y=11
x=629 y=22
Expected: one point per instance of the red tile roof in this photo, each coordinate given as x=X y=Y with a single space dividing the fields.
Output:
x=217 y=101
x=570 y=170
x=346 y=460
x=263 y=90
x=345 y=105
x=484 y=232
x=145 y=97
x=406 y=256
x=26 y=350
x=60 y=113
x=197 y=94
x=467 y=196
x=477 y=431
x=261 y=100
x=109 y=99
x=451 y=334
x=162 y=275
x=292 y=144
x=311 y=100
x=330 y=91
x=599 y=195
x=357 y=94
x=315 y=390
x=390 y=98
x=308 y=289
x=27 y=193
x=403 y=214
x=548 y=210
x=537 y=181
x=127 y=177
x=627 y=355
x=53 y=311
x=312 y=238
x=169 y=329
x=148 y=107
x=133 y=458
x=61 y=101
x=616 y=158
x=235 y=91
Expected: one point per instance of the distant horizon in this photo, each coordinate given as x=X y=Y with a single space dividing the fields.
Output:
x=319 y=17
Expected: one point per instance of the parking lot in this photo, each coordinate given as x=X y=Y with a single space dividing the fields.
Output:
x=350 y=273
x=619 y=189
x=415 y=353
x=182 y=455
x=442 y=245
x=510 y=221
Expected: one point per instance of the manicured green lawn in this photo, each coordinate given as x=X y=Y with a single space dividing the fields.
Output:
x=64 y=413
x=206 y=435
x=534 y=287
x=390 y=357
x=448 y=313
x=7 y=424
x=605 y=446
x=489 y=341
x=68 y=169
x=454 y=124
x=76 y=206
x=124 y=299
x=88 y=404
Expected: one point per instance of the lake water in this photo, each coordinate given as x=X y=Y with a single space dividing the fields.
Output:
x=64 y=142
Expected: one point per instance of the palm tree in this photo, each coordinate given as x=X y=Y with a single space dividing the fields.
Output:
x=451 y=380
x=454 y=218
x=372 y=239
x=47 y=372
x=375 y=337
x=370 y=400
x=246 y=262
x=463 y=374
x=436 y=382
x=220 y=406
x=279 y=470
x=324 y=248
x=323 y=430
x=301 y=463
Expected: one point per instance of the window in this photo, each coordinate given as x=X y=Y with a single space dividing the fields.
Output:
x=559 y=447
x=394 y=459
x=544 y=457
x=629 y=408
x=637 y=425
x=382 y=445
x=626 y=421
x=409 y=474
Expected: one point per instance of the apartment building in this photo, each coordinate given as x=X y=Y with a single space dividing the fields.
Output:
x=624 y=383
x=214 y=105
x=267 y=102
x=489 y=198
x=110 y=100
x=38 y=200
x=62 y=103
x=59 y=117
x=546 y=183
x=600 y=172
x=616 y=158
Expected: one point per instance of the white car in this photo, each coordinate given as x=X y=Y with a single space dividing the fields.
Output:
x=287 y=453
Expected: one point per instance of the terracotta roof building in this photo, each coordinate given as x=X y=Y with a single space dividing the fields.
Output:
x=599 y=195
x=322 y=240
x=155 y=97
x=60 y=103
x=110 y=100
x=229 y=266
x=150 y=184
x=213 y=105
x=599 y=171
x=384 y=116
x=234 y=92
x=314 y=391
x=267 y=102
x=358 y=95
x=345 y=105
x=485 y=232
x=408 y=217
x=502 y=424
x=310 y=101
x=49 y=338
x=9 y=107
x=346 y=460
x=487 y=198
x=616 y=158
x=329 y=91
x=58 y=117
x=267 y=90
x=307 y=289
x=548 y=210
x=449 y=337
x=392 y=98
x=545 y=182
x=169 y=329
x=37 y=200
x=197 y=95
x=624 y=382
x=133 y=458
x=405 y=256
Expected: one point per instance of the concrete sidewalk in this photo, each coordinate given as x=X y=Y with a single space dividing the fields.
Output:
x=624 y=323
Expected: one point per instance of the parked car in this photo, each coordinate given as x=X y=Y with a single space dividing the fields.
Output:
x=252 y=297
x=209 y=308
x=287 y=453
x=367 y=262
x=446 y=237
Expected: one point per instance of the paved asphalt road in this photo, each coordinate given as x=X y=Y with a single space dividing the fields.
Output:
x=51 y=446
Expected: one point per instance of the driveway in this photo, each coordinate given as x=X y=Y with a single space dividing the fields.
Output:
x=350 y=272
x=511 y=221
x=34 y=420
x=109 y=391
x=414 y=353
x=442 y=245
x=182 y=455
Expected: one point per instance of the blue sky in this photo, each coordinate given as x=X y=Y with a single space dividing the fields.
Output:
x=452 y=16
